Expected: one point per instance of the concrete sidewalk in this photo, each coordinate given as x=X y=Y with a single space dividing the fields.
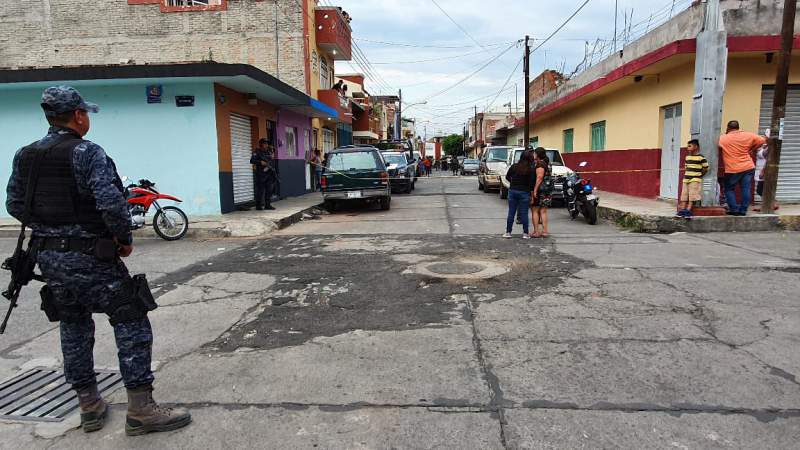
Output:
x=237 y=224
x=658 y=216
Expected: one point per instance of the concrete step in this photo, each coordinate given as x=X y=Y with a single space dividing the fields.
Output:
x=646 y=223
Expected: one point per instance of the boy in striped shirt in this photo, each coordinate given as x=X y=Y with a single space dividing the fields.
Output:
x=696 y=166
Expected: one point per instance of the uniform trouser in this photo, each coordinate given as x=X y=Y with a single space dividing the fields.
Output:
x=84 y=283
x=265 y=188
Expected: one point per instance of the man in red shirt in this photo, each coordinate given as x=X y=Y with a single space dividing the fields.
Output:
x=738 y=148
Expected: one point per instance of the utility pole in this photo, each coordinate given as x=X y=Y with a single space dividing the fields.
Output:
x=775 y=141
x=475 y=126
x=277 y=45
x=400 y=115
x=616 y=18
x=464 y=142
x=711 y=65
x=527 y=58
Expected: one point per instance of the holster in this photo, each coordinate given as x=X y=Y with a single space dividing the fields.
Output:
x=60 y=313
x=105 y=249
x=133 y=303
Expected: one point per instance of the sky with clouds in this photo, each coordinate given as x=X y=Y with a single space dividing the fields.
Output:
x=412 y=45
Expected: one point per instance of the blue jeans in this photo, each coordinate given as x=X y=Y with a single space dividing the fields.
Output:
x=518 y=203
x=745 y=181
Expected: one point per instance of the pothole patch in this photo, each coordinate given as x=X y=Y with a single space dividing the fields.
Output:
x=461 y=269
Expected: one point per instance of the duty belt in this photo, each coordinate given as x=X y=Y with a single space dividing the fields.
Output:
x=61 y=244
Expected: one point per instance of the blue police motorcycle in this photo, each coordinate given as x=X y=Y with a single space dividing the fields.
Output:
x=579 y=197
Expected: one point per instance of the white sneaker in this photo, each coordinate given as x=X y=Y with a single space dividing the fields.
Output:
x=507 y=236
x=525 y=236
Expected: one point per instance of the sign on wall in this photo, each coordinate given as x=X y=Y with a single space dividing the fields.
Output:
x=154 y=92
x=183 y=101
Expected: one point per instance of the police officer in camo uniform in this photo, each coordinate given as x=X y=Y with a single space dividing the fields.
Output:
x=81 y=228
x=263 y=159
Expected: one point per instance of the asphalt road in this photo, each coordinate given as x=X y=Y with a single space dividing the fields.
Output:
x=421 y=327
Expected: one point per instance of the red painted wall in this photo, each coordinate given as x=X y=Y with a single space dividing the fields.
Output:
x=607 y=170
x=333 y=29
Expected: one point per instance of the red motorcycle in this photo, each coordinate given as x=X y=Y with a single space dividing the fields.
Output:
x=169 y=222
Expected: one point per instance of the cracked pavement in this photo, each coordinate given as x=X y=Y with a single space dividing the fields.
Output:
x=330 y=334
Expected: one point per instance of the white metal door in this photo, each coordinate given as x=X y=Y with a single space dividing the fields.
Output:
x=327 y=140
x=671 y=152
x=789 y=171
x=307 y=144
x=241 y=149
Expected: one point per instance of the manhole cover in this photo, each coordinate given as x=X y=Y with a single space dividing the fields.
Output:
x=44 y=395
x=449 y=268
x=464 y=269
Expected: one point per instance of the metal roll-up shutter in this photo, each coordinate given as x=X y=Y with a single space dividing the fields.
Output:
x=789 y=173
x=241 y=149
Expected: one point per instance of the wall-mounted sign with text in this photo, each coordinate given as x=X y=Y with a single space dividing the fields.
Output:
x=183 y=101
x=154 y=92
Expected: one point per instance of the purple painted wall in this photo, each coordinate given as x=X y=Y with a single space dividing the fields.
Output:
x=292 y=168
x=302 y=125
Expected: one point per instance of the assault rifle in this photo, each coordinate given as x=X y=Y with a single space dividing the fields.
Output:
x=22 y=263
x=21 y=266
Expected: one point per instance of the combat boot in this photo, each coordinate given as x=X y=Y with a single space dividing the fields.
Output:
x=147 y=416
x=93 y=408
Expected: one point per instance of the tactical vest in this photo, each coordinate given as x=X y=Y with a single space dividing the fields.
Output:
x=56 y=199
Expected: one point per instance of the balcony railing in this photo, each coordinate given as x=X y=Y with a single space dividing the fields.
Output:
x=337 y=101
x=333 y=33
x=190 y=5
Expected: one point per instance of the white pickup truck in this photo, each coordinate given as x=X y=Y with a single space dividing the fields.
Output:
x=560 y=171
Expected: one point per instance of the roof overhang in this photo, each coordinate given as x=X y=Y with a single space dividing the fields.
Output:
x=239 y=77
x=365 y=134
x=671 y=55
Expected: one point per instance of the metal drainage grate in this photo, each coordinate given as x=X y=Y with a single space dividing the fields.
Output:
x=43 y=395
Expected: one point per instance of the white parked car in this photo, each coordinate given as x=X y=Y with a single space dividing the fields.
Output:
x=560 y=171
x=493 y=161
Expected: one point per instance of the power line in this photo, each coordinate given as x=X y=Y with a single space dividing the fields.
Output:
x=441 y=58
x=580 y=8
x=407 y=44
x=461 y=81
x=357 y=55
x=489 y=106
x=459 y=26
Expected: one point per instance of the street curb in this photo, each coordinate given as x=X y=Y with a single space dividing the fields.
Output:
x=644 y=223
x=223 y=231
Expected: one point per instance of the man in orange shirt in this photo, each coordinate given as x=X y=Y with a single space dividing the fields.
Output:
x=738 y=148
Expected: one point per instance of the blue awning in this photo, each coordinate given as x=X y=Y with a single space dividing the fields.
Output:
x=325 y=109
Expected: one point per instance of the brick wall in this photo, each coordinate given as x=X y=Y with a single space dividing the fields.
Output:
x=50 y=33
x=546 y=82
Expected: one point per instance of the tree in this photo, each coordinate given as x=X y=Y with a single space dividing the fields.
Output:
x=453 y=145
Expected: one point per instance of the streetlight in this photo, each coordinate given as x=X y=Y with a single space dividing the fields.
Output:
x=411 y=105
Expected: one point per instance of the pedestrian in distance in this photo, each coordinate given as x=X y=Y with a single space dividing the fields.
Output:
x=67 y=190
x=542 y=193
x=263 y=161
x=454 y=165
x=315 y=164
x=738 y=150
x=428 y=165
x=695 y=168
x=522 y=177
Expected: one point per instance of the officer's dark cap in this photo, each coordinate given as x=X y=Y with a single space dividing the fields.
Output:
x=57 y=100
